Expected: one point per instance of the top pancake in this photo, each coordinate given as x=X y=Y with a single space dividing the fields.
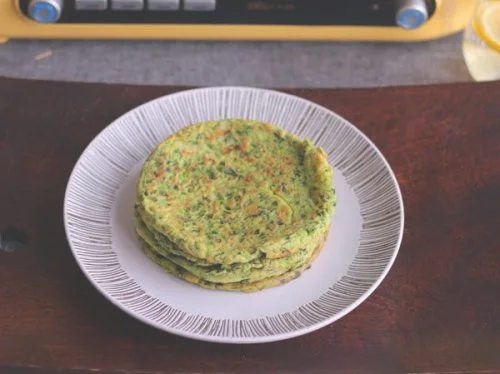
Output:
x=232 y=191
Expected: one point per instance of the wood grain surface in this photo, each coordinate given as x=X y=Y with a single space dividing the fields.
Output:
x=438 y=310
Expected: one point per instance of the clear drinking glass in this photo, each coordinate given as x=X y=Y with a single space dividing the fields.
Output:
x=481 y=41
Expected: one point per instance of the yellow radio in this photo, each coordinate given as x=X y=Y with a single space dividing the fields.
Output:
x=326 y=20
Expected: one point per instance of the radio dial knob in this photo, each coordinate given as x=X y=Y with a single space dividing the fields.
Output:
x=45 y=11
x=411 y=14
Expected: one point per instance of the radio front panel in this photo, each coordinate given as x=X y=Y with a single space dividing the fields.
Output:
x=307 y=20
x=253 y=12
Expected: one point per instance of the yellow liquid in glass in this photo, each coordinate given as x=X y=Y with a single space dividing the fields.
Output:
x=481 y=42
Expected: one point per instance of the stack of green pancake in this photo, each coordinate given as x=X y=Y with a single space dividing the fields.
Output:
x=234 y=204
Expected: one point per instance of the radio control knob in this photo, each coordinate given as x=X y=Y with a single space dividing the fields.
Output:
x=411 y=14
x=45 y=11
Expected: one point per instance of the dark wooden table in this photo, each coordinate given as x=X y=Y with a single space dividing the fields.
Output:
x=438 y=310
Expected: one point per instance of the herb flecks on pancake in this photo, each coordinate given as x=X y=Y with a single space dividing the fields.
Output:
x=235 y=200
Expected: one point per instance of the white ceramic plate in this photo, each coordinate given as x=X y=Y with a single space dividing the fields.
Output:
x=362 y=245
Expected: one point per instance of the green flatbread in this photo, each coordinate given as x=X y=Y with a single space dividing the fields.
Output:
x=235 y=191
